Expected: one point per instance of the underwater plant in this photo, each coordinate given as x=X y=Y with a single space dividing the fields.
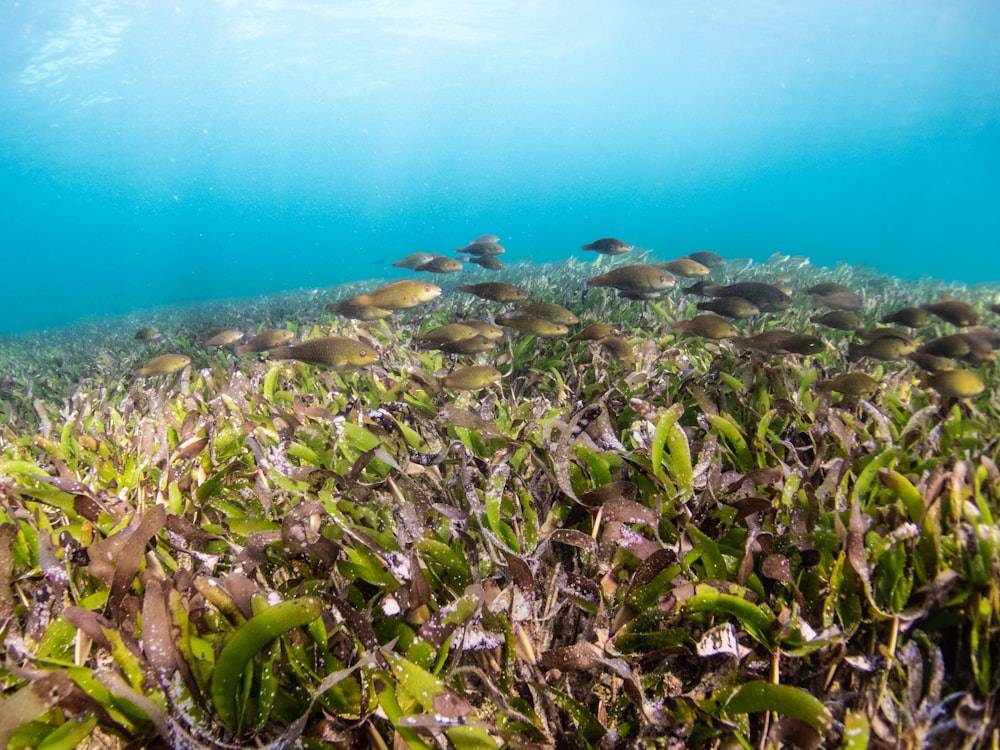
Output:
x=672 y=540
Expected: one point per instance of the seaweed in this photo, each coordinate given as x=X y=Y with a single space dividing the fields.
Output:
x=698 y=547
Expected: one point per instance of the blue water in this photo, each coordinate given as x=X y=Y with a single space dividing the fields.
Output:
x=155 y=153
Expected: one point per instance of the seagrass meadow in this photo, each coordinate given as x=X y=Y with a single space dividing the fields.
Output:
x=685 y=542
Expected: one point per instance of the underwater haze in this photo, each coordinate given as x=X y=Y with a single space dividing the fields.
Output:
x=159 y=153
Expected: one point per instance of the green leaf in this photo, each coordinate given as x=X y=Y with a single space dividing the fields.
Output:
x=759 y=623
x=758 y=696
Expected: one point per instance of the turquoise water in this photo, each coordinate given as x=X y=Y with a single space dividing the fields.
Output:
x=159 y=153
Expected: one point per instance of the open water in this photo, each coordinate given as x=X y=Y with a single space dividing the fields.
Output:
x=167 y=152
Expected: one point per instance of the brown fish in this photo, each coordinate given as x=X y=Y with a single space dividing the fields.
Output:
x=955 y=383
x=618 y=348
x=335 y=352
x=953 y=311
x=482 y=249
x=484 y=329
x=147 y=334
x=931 y=362
x=413 y=261
x=471 y=378
x=840 y=301
x=265 y=340
x=608 y=246
x=981 y=345
x=767 y=297
x=223 y=338
x=638 y=277
x=707 y=258
x=781 y=341
x=357 y=312
x=730 y=307
x=489 y=262
x=873 y=334
x=497 y=291
x=995 y=307
x=446 y=334
x=165 y=364
x=549 y=311
x=704 y=288
x=708 y=326
x=841 y=320
x=850 y=384
x=911 y=317
x=685 y=267
x=472 y=345
x=398 y=295
x=826 y=287
x=952 y=346
x=440 y=264
x=593 y=332
x=531 y=324
x=886 y=348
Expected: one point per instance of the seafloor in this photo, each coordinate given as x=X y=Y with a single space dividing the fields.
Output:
x=683 y=542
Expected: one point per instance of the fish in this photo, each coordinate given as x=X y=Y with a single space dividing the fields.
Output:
x=472 y=345
x=979 y=343
x=531 y=324
x=482 y=248
x=954 y=383
x=165 y=364
x=638 y=277
x=826 y=287
x=781 y=341
x=840 y=300
x=413 y=261
x=440 y=264
x=608 y=246
x=730 y=307
x=484 y=329
x=685 y=267
x=931 y=362
x=618 y=348
x=975 y=345
x=223 y=338
x=708 y=326
x=841 y=320
x=490 y=238
x=953 y=311
x=593 y=332
x=767 y=297
x=549 y=311
x=850 y=384
x=489 y=262
x=448 y=333
x=873 y=334
x=336 y=352
x=471 y=378
x=994 y=307
x=951 y=346
x=911 y=317
x=398 y=295
x=886 y=348
x=265 y=340
x=703 y=288
x=357 y=312
x=497 y=291
x=707 y=258
x=147 y=334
